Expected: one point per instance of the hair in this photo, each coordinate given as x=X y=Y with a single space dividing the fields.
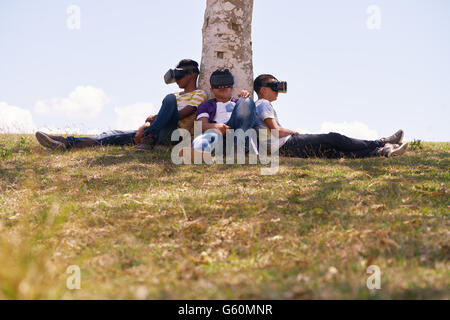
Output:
x=221 y=72
x=189 y=63
x=224 y=74
x=257 y=84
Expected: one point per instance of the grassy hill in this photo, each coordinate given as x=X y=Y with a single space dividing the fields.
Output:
x=139 y=226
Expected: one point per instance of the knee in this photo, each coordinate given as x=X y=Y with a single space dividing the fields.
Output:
x=247 y=103
x=334 y=135
x=246 y=106
x=251 y=104
x=170 y=99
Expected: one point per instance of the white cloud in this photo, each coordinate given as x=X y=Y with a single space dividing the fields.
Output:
x=85 y=102
x=355 y=129
x=15 y=120
x=133 y=116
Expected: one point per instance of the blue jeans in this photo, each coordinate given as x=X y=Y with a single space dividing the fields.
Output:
x=331 y=145
x=166 y=121
x=108 y=138
x=243 y=117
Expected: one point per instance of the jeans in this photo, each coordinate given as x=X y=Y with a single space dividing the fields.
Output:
x=331 y=145
x=243 y=117
x=166 y=121
x=108 y=138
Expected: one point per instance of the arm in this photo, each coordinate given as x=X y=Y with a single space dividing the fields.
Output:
x=273 y=125
x=186 y=112
x=140 y=133
x=221 y=127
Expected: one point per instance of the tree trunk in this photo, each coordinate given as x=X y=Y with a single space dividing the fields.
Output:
x=227 y=42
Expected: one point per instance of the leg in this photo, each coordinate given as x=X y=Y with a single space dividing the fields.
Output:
x=81 y=142
x=365 y=153
x=110 y=138
x=116 y=138
x=298 y=146
x=341 y=143
x=337 y=141
x=166 y=121
x=332 y=145
x=244 y=115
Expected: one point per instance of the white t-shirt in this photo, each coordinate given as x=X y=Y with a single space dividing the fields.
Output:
x=223 y=112
x=265 y=110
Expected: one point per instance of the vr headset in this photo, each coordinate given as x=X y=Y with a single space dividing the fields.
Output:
x=222 y=80
x=278 y=86
x=173 y=75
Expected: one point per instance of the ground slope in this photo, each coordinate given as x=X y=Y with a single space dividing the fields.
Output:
x=139 y=226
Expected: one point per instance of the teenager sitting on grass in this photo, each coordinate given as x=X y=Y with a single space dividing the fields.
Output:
x=178 y=110
x=332 y=145
x=224 y=113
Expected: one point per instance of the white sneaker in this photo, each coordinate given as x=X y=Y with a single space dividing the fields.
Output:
x=396 y=138
x=391 y=150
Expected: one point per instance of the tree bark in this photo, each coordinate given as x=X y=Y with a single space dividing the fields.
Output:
x=227 y=42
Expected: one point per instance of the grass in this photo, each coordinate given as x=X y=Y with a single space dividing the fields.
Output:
x=140 y=227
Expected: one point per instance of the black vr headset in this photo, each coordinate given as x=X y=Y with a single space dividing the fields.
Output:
x=277 y=86
x=221 y=79
x=173 y=75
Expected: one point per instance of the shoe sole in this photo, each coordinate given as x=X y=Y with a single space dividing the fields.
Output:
x=143 y=149
x=398 y=151
x=48 y=142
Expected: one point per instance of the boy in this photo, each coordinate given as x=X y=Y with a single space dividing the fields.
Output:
x=223 y=113
x=177 y=110
x=332 y=145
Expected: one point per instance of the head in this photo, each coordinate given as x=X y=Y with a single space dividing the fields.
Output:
x=264 y=91
x=222 y=82
x=190 y=78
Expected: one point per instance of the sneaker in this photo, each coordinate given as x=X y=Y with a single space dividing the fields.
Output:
x=396 y=138
x=60 y=139
x=147 y=144
x=46 y=141
x=390 y=150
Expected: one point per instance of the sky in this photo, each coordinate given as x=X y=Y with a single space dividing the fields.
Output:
x=362 y=68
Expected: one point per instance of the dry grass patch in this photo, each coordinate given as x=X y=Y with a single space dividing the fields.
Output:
x=140 y=227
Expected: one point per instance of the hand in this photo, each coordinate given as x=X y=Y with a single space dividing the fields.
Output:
x=222 y=128
x=140 y=133
x=150 y=119
x=244 y=94
x=138 y=137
